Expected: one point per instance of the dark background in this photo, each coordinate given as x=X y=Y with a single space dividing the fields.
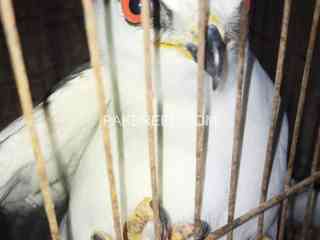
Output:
x=265 y=33
x=54 y=43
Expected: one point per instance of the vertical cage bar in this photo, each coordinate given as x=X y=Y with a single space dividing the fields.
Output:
x=239 y=118
x=276 y=102
x=202 y=27
x=13 y=41
x=312 y=193
x=301 y=102
x=151 y=100
x=90 y=24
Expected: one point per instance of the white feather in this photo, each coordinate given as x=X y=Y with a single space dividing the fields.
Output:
x=73 y=111
x=178 y=92
x=300 y=207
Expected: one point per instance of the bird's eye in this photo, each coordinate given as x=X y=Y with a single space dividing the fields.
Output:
x=132 y=11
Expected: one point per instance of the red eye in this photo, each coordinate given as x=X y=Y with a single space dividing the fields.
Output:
x=132 y=10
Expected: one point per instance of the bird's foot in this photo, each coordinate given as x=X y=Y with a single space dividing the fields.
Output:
x=186 y=231
x=265 y=237
x=137 y=221
x=182 y=231
x=140 y=226
x=137 y=224
x=100 y=236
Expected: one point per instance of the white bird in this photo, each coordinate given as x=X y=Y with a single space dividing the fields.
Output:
x=300 y=205
x=71 y=140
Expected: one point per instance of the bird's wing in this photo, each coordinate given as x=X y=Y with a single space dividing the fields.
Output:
x=65 y=124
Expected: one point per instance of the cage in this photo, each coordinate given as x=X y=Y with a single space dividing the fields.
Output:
x=48 y=31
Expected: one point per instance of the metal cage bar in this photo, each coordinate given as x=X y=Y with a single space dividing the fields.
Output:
x=242 y=89
x=202 y=27
x=90 y=25
x=21 y=78
x=276 y=102
x=151 y=100
x=298 y=121
x=312 y=193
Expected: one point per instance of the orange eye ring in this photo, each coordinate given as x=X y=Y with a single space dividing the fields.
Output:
x=131 y=16
x=247 y=4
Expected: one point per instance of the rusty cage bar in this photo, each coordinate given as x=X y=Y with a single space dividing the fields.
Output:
x=12 y=38
x=276 y=102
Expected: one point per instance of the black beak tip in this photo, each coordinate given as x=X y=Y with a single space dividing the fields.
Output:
x=215 y=51
x=193 y=49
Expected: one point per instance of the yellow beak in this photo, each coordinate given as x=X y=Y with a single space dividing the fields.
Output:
x=179 y=44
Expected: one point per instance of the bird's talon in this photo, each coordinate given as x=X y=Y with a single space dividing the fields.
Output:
x=99 y=235
x=181 y=231
x=202 y=231
x=185 y=231
x=265 y=237
x=142 y=214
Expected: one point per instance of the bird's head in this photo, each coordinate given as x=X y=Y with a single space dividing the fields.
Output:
x=175 y=26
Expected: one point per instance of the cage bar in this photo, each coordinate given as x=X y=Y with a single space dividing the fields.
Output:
x=22 y=82
x=90 y=25
x=263 y=207
x=151 y=100
x=276 y=103
x=242 y=90
x=202 y=27
x=298 y=121
x=312 y=193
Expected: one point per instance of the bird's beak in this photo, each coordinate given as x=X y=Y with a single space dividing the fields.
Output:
x=187 y=45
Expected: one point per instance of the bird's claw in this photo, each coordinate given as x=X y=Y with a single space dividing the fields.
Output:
x=265 y=237
x=99 y=235
x=181 y=231
x=143 y=214
x=186 y=231
x=139 y=219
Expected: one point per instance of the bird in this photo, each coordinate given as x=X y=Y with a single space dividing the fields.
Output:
x=67 y=123
x=300 y=205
